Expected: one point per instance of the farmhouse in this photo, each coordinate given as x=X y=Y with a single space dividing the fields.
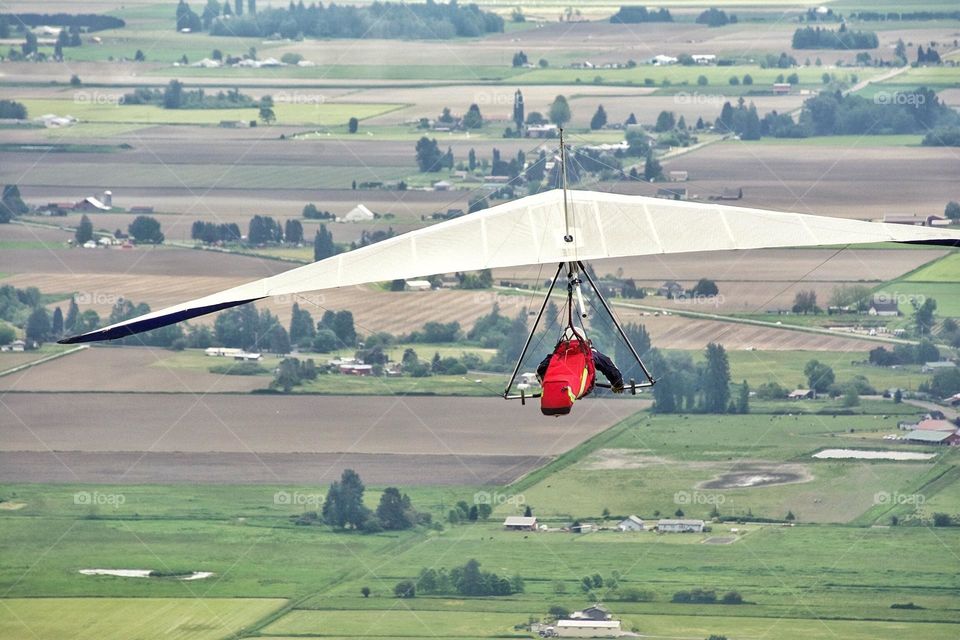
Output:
x=596 y=612
x=418 y=285
x=935 y=425
x=678 y=176
x=782 y=88
x=731 y=193
x=670 y=525
x=704 y=58
x=881 y=306
x=632 y=523
x=672 y=193
x=520 y=523
x=801 y=394
x=583 y=527
x=442 y=185
x=588 y=628
x=541 y=131
x=91 y=204
x=671 y=289
x=940 y=364
x=355 y=369
x=16 y=345
x=661 y=59
x=953 y=400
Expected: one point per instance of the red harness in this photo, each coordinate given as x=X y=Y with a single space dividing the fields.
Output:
x=569 y=376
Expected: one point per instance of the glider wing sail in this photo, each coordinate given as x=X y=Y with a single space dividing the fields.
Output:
x=536 y=230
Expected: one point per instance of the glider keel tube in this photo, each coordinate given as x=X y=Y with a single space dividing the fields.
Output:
x=148 y=322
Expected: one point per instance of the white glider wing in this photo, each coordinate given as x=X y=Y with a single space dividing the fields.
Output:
x=532 y=230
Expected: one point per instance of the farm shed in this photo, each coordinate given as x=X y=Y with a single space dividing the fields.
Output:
x=588 y=628
x=933 y=437
x=670 y=525
x=520 y=523
x=596 y=612
x=801 y=394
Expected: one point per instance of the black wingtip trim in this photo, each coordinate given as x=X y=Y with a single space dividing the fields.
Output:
x=944 y=242
x=152 y=323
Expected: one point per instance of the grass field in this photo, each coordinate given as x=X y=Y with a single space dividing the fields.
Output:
x=130 y=618
x=946 y=269
x=947 y=295
x=425 y=72
x=287 y=113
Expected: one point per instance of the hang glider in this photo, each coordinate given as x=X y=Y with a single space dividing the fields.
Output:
x=552 y=227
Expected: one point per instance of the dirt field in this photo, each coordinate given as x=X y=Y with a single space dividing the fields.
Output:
x=861 y=181
x=124 y=370
x=242 y=439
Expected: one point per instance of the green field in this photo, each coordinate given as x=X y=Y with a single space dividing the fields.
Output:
x=85 y=108
x=678 y=75
x=947 y=295
x=196 y=618
x=817 y=579
x=947 y=269
x=472 y=73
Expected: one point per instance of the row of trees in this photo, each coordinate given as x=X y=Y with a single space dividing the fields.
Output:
x=143 y=230
x=379 y=20
x=820 y=38
x=467 y=581
x=176 y=96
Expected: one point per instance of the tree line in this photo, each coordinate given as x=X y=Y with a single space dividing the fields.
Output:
x=88 y=21
x=428 y=21
x=842 y=38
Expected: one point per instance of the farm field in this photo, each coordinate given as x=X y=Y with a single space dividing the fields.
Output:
x=121 y=458
x=317 y=113
x=131 y=618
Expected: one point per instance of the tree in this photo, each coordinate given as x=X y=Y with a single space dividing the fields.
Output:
x=805 y=302
x=73 y=311
x=343 y=506
x=145 y=230
x=560 y=111
x=405 y=589
x=472 y=119
x=38 y=325
x=394 y=511
x=652 y=169
x=139 y=56
x=301 y=325
x=819 y=376
x=365 y=592
x=942 y=520
x=716 y=380
x=599 y=119
x=323 y=245
x=342 y=326
x=352 y=125
x=293 y=231
x=173 y=95
x=519 y=59
x=84 y=232
x=11 y=204
x=743 y=399
x=952 y=211
x=705 y=288
x=429 y=156
x=923 y=317
x=702 y=81
x=517 y=111
x=266 y=109
x=56 y=325
x=666 y=121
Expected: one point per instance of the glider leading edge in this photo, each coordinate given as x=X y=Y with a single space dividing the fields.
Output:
x=535 y=230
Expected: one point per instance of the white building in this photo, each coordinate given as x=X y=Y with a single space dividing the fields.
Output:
x=633 y=523
x=588 y=628
x=520 y=523
x=359 y=213
x=670 y=525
